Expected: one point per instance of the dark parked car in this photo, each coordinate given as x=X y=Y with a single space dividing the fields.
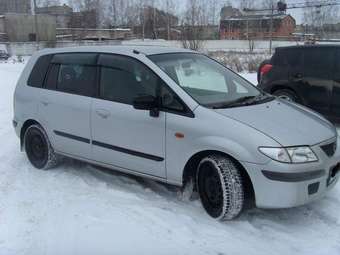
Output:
x=3 y=55
x=309 y=75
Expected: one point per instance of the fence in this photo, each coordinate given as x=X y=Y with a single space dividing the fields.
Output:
x=28 y=48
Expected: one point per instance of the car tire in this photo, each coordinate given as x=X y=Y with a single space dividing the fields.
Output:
x=38 y=148
x=220 y=187
x=287 y=95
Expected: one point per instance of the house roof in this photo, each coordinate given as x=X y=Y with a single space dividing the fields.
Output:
x=257 y=17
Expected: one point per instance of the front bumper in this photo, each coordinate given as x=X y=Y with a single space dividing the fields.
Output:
x=279 y=185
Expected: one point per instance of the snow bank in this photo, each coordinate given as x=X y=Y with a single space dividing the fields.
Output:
x=77 y=209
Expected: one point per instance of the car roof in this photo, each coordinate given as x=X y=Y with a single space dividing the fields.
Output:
x=309 y=46
x=119 y=49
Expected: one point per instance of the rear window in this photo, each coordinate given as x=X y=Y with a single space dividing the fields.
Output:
x=37 y=76
x=73 y=73
x=294 y=57
x=279 y=58
x=288 y=57
x=318 y=60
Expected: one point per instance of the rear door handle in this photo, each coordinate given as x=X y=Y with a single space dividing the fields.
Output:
x=297 y=77
x=103 y=113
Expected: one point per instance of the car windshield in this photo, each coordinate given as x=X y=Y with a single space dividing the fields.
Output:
x=208 y=82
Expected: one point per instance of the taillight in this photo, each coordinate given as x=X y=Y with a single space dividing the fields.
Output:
x=265 y=69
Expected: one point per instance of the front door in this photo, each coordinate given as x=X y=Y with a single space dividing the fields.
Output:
x=123 y=136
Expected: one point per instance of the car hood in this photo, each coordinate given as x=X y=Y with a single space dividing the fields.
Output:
x=287 y=123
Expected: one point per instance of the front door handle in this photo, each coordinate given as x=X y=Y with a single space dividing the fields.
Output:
x=103 y=113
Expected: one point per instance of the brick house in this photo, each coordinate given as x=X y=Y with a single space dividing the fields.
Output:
x=256 y=26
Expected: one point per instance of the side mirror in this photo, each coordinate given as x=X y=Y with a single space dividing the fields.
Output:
x=147 y=102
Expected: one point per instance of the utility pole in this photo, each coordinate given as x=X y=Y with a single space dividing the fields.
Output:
x=154 y=21
x=271 y=30
x=36 y=24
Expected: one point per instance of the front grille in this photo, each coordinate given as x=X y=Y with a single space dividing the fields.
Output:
x=329 y=149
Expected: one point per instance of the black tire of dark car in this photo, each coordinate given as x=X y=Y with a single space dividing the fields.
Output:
x=286 y=94
x=39 y=149
x=220 y=186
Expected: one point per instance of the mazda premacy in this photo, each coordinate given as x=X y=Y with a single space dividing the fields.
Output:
x=178 y=117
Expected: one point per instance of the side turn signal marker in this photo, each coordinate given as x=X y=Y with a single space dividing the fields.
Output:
x=179 y=135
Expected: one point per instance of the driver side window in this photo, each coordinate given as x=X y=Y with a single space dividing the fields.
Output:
x=122 y=79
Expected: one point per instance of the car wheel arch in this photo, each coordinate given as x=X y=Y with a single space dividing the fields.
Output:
x=191 y=167
x=285 y=87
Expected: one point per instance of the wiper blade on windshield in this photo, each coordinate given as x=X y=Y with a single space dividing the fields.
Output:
x=248 y=100
x=239 y=101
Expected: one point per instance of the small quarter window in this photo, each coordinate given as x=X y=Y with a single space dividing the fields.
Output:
x=37 y=76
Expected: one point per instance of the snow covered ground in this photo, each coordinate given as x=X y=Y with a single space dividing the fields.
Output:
x=76 y=209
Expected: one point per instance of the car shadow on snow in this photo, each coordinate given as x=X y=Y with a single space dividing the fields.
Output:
x=313 y=213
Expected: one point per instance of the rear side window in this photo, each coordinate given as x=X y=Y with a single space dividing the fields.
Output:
x=37 y=76
x=294 y=57
x=73 y=73
x=279 y=58
x=318 y=61
x=77 y=79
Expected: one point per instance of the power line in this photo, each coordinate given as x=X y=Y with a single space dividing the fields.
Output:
x=283 y=7
x=314 y=4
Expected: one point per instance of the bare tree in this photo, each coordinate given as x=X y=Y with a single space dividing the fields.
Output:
x=246 y=4
x=169 y=8
x=192 y=25
x=47 y=3
x=267 y=4
x=317 y=17
x=213 y=11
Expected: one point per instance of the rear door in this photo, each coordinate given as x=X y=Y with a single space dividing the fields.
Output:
x=317 y=78
x=65 y=103
x=293 y=58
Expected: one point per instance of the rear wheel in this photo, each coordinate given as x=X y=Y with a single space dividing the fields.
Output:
x=38 y=148
x=220 y=187
x=287 y=95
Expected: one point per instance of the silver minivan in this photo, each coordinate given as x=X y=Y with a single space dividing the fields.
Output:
x=175 y=116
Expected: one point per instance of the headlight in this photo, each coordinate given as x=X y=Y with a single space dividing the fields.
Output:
x=301 y=154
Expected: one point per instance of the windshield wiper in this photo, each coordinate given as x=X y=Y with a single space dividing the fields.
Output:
x=262 y=98
x=248 y=100
x=239 y=101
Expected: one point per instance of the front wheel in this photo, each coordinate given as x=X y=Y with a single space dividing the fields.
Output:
x=220 y=187
x=39 y=149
